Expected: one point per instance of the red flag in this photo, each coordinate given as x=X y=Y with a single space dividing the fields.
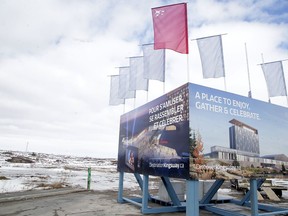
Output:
x=170 y=27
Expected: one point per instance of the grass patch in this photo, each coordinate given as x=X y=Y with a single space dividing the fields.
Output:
x=54 y=185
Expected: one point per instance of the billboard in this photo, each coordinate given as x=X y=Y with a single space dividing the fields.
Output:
x=195 y=132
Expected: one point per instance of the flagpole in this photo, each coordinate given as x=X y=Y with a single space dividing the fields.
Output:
x=225 y=84
x=134 y=101
x=164 y=71
x=188 y=77
x=208 y=36
x=284 y=81
x=147 y=95
x=250 y=92
x=124 y=105
x=269 y=100
x=187 y=35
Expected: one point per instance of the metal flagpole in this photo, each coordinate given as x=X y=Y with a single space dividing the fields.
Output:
x=284 y=79
x=208 y=36
x=124 y=105
x=164 y=71
x=250 y=92
x=147 y=95
x=188 y=77
x=187 y=35
x=147 y=92
x=225 y=83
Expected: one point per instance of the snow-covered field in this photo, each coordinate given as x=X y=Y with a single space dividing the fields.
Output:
x=52 y=171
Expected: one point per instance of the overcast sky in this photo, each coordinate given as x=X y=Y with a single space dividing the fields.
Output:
x=56 y=57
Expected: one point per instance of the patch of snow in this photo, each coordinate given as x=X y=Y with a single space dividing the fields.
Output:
x=52 y=169
x=70 y=171
x=285 y=194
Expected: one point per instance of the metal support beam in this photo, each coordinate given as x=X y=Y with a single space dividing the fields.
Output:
x=254 y=198
x=192 y=196
x=284 y=212
x=120 y=188
x=220 y=211
x=212 y=191
x=146 y=197
x=145 y=194
x=246 y=198
x=134 y=201
x=267 y=208
x=171 y=191
x=139 y=180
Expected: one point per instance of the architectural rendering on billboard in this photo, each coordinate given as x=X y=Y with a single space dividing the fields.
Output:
x=195 y=132
x=154 y=138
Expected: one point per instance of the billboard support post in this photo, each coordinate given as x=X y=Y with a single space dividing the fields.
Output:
x=120 y=188
x=192 y=203
x=145 y=194
x=253 y=198
x=247 y=196
x=174 y=206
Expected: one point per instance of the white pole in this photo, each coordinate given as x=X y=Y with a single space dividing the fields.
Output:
x=250 y=93
x=267 y=86
x=124 y=106
x=188 y=77
x=225 y=83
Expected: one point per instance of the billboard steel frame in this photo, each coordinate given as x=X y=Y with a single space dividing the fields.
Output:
x=192 y=205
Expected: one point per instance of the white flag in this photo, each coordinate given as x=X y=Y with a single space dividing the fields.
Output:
x=124 y=92
x=137 y=80
x=154 y=63
x=114 y=89
x=274 y=76
x=211 y=55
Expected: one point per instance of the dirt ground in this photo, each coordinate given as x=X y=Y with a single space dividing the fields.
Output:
x=73 y=202
x=85 y=203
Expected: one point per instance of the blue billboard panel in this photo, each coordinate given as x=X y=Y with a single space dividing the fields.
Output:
x=156 y=137
x=195 y=132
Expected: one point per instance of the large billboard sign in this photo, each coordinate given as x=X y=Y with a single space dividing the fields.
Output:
x=195 y=132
